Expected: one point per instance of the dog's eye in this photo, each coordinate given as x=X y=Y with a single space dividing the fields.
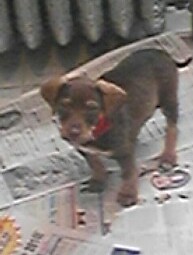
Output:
x=92 y=115
x=92 y=112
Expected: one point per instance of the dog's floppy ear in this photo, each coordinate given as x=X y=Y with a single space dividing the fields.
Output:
x=113 y=95
x=49 y=90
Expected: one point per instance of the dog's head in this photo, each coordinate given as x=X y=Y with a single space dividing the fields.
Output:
x=79 y=102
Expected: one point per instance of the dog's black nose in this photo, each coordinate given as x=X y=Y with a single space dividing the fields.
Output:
x=75 y=130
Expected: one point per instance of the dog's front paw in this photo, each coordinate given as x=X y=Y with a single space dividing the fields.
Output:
x=126 y=200
x=128 y=195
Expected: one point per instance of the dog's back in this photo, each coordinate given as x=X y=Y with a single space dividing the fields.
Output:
x=149 y=77
x=142 y=65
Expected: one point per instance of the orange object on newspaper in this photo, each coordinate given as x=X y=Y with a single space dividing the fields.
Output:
x=10 y=237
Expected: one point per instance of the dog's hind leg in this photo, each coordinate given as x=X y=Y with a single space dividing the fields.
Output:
x=169 y=108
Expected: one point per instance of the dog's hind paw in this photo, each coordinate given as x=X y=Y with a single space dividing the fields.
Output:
x=168 y=159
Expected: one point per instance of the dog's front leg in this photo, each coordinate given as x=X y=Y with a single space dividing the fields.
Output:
x=128 y=192
x=97 y=181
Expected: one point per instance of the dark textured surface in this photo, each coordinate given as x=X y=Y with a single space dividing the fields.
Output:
x=22 y=69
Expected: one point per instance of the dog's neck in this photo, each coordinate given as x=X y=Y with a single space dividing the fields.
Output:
x=103 y=126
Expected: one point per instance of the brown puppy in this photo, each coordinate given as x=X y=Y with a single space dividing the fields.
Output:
x=109 y=113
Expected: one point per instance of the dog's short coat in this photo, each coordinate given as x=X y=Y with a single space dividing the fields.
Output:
x=124 y=99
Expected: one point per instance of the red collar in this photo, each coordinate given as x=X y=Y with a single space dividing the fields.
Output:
x=102 y=126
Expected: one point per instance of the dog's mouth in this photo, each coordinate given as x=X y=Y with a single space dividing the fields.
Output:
x=77 y=139
x=81 y=144
x=94 y=151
